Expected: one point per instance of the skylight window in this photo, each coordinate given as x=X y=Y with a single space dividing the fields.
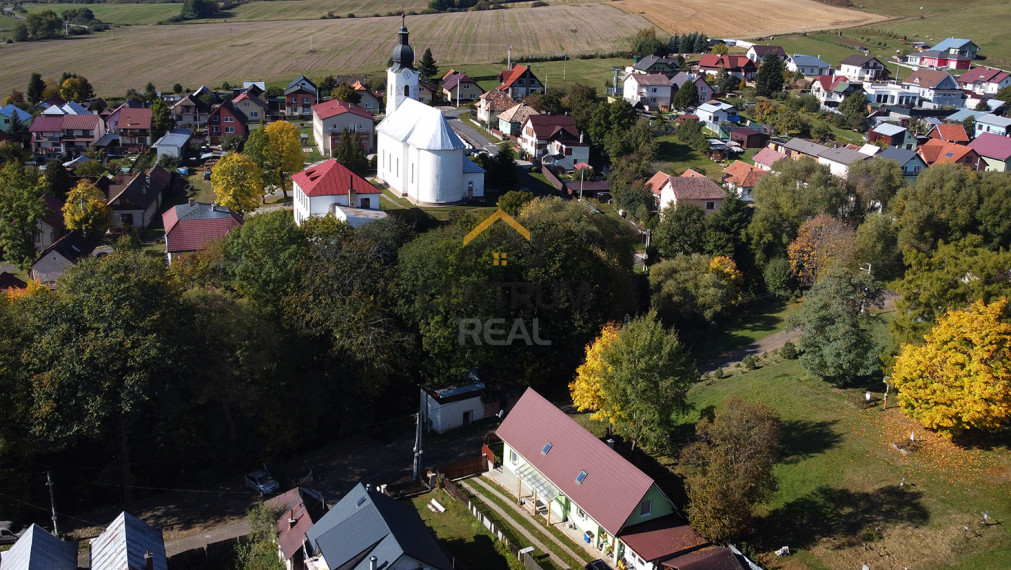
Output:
x=361 y=501
x=546 y=448
x=580 y=477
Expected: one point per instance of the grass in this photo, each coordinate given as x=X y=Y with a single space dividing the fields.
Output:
x=121 y=14
x=204 y=192
x=595 y=72
x=455 y=528
x=838 y=480
x=265 y=50
x=538 y=529
x=678 y=157
x=750 y=327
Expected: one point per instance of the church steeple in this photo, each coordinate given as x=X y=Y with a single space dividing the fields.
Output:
x=403 y=55
x=401 y=77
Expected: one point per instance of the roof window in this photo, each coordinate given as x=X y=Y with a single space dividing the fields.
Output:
x=546 y=448
x=580 y=477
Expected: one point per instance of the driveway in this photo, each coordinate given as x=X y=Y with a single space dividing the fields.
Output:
x=467 y=132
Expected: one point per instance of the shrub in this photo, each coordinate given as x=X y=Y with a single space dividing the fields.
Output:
x=750 y=362
x=789 y=351
x=719 y=374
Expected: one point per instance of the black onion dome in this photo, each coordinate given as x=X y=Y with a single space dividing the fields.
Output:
x=403 y=55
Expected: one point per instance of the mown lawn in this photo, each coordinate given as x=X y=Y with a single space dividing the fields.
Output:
x=840 y=503
x=456 y=528
x=768 y=317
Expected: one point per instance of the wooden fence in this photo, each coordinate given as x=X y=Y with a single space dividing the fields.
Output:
x=524 y=555
x=465 y=468
x=215 y=555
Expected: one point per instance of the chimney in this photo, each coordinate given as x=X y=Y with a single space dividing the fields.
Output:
x=291 y=519
x=610 y=443
x=148 y=561
x=372 y=562
x=190 y=202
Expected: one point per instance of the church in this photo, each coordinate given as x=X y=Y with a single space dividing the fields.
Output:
x=419 y=155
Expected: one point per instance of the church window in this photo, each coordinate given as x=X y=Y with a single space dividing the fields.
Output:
x=412 y=174
x=407 y=90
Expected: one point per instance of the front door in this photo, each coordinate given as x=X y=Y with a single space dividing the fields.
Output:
x=468 y=417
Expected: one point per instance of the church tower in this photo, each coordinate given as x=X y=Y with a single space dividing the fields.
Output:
x=401 y=77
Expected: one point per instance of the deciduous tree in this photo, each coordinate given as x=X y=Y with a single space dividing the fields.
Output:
x=682 y=229
x=21 y=206
x=823 y=243
x=237 y=183
x=87 y=210
x=875 y=182
x=346 y=94
x=942 y=205
x=960 y=378
x=592 y=373
x=691 y=291
x=728 y=469
x=512 y=202
x=645 y=42
x=161 y=119
x=854 y=110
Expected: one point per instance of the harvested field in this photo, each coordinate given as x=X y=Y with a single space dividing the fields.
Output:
x=739 y=19
x=210 y=53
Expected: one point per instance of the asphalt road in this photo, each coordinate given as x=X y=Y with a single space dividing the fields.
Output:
x=466 y=132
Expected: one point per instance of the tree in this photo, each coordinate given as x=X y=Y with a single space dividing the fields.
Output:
x=854 y=111
x=875 y=183
x=953 y=276
x=501 y=169
x=821 y=131
x=728 y=469
x=682 y=229
x=86 y=209
x=427 y=67
x=686 y=97
x=586 y=389
x=258 y=550
x=769 y=79
x=513 y=201
x=823 y=244
x=21 y=207
x=643 y=386
x=351 y=153
x=942 y=205
x=801 y=190
x=701 y=43
x=161 y=119
x=346 y=94
x=960 y=378
x=237 y=183
x=877 y=246
x=177 y=88
x=328 y=84
x=277 y=151
x=197 y=9
x=262 y=259
x=17 y=131
x=836 y=344
x=721 y=49
x=74 y=87
x=44 y=25
x=693 y=291
x=91 y=169
x=645 y=42
x=35 y=88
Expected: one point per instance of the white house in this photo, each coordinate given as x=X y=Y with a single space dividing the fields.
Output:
x=831 y=90
x=839 y=159
x=317 y=190
x=449 y=408
x=983 y=80
x=173 y=143
x=715 y=113
x=330 y=119
x=698 y=190
x=993 y=124
x=757 y=53
x=808 y=65
x=936 y=88
x=863 y=68
x=423 y=159
x=653 y=90
x=892 y=94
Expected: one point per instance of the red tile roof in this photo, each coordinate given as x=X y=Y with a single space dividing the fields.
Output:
x=992 y=146
x=691 y=174
x=189 y=227
x=335 y=107
x=728 y=62
x=768 y=157
x=331 y=178
x=290 y=537
x=950 y=133
x=158 y=178
x=47 y=124
x=511 y=75
x=743 y=174
x=613 y=487
x=657 y=182
x=662 y=537
x=982 y=75
x=256 y=100
x=830 y=82
x=546 y=126
x=696 y=188
x=130 y=118
x=81 y=122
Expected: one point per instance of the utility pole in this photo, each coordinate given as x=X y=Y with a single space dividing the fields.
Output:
x=418 y=451
x=565 y=60
x=509 y=61
x=52 y=499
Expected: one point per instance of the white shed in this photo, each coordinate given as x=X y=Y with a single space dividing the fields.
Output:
x=448 y=408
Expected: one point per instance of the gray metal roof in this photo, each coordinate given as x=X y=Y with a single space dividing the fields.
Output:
x=368 y=523
x=889 y=129
x=37 y=549
x=124 y=543
x=801 y=60
x=843 y=155
x=805 y=147
x=897 y=154
x=173 y=139
x=994 y=120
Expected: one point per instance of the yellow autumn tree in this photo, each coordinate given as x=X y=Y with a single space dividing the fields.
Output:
x=822 y=243
x=960 y=378
x=286 y=148
x=586 y=388
x=86 y=209
x=237 y=183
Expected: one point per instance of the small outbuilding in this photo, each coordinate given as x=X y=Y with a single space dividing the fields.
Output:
x=449 y=408
x=749 y=138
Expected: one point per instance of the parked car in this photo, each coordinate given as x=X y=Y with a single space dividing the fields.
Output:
x=7 y=536
x=598 y=565
x=262 y=481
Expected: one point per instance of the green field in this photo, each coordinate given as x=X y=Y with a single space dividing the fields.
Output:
x=839 y=480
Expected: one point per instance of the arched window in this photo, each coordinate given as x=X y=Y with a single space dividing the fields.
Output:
x=407 y=90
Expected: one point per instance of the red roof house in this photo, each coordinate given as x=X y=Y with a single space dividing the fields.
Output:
x=226 y=120
x=317 y=190
x=949 y=133
x=300 y=509
x=191 y=227
x=737 y=65
x=580 y=478
x=329 y=120
x=134 y=128
x=995 y=151
x=936 y=151
x=519 y=82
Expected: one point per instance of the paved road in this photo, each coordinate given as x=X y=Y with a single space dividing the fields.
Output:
x=467 y=132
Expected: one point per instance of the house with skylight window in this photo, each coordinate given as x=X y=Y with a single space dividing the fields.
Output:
x=574 y=478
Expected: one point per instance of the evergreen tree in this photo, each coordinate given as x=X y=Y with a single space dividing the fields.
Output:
x=701 y=43
x=18 y=131
x=854 y=110
x=686 y=43
x=427 y=67
x=351 y=153
x=769 y=79
x=674 y=44
x=35 y=88
x=687 y=96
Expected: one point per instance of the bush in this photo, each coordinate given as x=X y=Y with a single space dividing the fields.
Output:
x=750 y=362
x=719 y=374
x=789 y=351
